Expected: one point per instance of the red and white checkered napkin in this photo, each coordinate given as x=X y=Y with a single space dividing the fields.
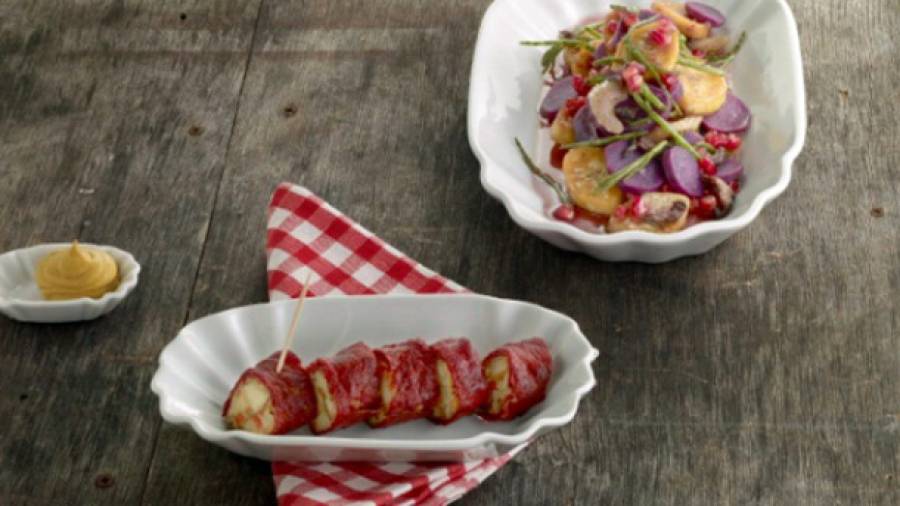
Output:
x=304 y=231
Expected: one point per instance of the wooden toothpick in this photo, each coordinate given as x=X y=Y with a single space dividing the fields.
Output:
x=289 y=338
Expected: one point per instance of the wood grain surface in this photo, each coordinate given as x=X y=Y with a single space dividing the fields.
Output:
x=765 y=372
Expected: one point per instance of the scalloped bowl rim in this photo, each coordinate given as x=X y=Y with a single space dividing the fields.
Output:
x=126 y=284
x=171 y=415
x=729 y=224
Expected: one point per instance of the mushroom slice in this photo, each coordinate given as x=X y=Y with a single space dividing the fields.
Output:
x=603 y=100
x=717 y=44
x=723 y=193
x=691 y=123
x=656 y=212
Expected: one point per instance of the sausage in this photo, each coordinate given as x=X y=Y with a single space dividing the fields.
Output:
x=346 y=388
x=517 y=375
x=462 y=389
x=267 y=402
x=407 y=382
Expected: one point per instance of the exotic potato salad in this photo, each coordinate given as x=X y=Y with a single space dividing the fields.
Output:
x=645 y=128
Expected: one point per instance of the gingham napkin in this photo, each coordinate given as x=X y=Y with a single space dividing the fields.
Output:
x=304 y=231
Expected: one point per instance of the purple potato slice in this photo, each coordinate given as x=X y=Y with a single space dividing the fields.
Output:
x=585 y=124
x=555 y=99
x=682 y=171
x=692 y=137
x=619 y=154
x=704 y=13
x=734 y=116
x=730 y=170
x=622 y=153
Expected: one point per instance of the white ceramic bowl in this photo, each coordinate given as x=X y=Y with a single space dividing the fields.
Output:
x=199 y=367
x=20 y=298
x=506 y=86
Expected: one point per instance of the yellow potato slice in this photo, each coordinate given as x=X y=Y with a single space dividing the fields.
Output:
x=687 y=26
x=448 y=403
x=561 y=130
x=663 y=57
x=326 y=409
x=251 y=408
x=582 y=168
x=704 y=93
x=496 y=372
x=579 y=60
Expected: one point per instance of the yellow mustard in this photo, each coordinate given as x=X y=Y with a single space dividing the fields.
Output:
x=77 y=272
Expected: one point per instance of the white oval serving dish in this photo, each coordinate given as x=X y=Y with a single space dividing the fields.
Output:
x=20 y=298
x=506 y=87
x=198 y=368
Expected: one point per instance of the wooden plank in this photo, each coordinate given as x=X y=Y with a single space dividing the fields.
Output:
x=745 y=387
x=765 y=372
x=97 y=105
x=362 y=99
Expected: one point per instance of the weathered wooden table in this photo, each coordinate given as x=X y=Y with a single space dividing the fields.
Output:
x=767 y=371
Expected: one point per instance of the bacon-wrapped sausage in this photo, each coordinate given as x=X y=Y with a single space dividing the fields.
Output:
x=267 y=402
x=461 y=387
x=346 y=388
x=408 y=385
x=517 y=375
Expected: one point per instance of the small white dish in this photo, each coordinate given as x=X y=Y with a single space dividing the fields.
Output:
x=21 y=299
x=506 y=87
x=199 y=367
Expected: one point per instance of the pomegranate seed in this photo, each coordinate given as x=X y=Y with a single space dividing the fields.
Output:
x=708 y=167
x=581 y=85
x=708 y=204
x=735 y=186
x=556 y=156
x=660 y=37
x=698 y=53
x=634 y=68
x=564 y=212
x=612 y=27
x=633 y=76
x=733 y=143
x=717 y=139
x=637 y=210
x=630 y=19
x=671 y=81
x=574 y=104
x=634 y=83
x=704 y=208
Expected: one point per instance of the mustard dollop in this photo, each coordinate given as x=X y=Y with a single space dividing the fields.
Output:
x=77 y=272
